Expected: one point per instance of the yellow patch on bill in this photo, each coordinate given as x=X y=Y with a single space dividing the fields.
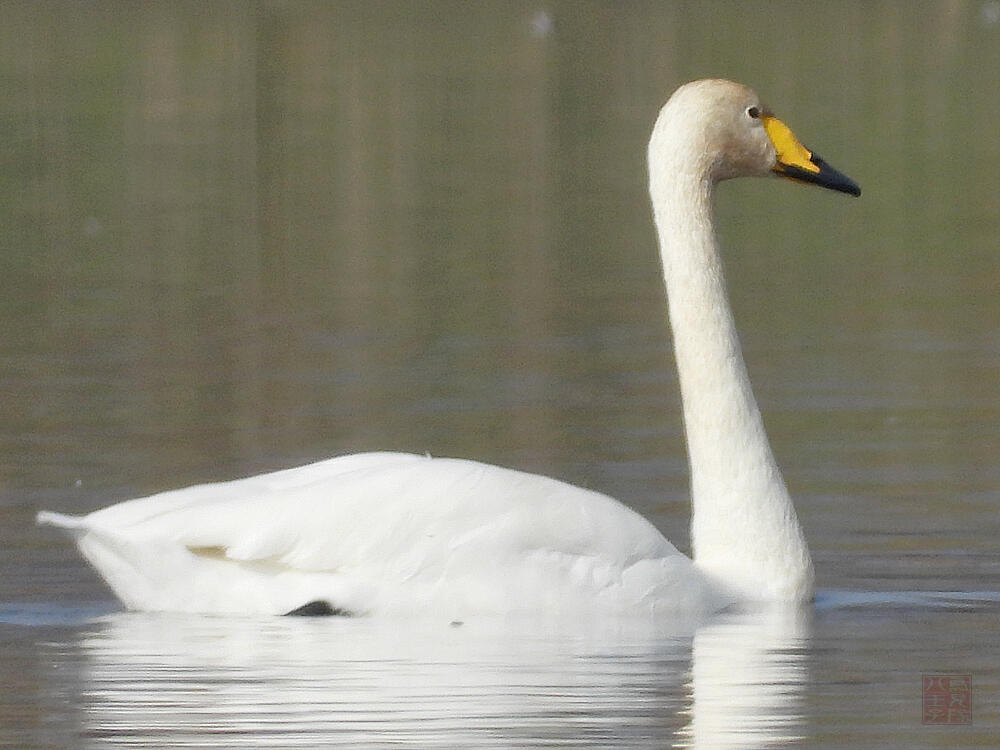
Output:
x=791 y=153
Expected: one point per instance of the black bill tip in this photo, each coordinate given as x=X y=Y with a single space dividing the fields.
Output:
x=826 y=177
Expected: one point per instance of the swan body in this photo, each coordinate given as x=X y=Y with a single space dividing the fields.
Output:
x=391 y=533
x=387 y=533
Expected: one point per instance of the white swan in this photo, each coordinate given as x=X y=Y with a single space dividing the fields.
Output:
x=389 y=533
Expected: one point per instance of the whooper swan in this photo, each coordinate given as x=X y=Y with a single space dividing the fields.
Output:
x=392 y=534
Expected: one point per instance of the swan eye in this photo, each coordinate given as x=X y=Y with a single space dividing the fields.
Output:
x=753 y=112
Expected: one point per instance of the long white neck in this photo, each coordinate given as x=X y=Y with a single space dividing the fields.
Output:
x=744 y=531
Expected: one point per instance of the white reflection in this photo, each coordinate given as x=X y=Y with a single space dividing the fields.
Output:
x=747 y=676
x=164 y=680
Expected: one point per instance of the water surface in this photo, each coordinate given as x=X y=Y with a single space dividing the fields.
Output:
x=238 y=237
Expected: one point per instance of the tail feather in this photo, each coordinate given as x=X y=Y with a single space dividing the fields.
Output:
x=61 y=521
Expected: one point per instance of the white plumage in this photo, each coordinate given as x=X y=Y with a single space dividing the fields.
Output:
x=387 y=533
x=398 y=534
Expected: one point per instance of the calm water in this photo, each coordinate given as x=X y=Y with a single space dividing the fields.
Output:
x=238 y=237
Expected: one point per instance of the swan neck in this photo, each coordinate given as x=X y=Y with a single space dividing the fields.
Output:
x=744 y=531
x=721 y=417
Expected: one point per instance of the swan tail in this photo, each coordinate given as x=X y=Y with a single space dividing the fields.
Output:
x=75 y=525
x=160 y=574
x=113 y=556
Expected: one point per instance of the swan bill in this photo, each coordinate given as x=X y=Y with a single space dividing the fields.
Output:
x=796 y=162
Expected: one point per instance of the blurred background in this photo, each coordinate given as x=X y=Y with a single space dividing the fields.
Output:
x=239 y=236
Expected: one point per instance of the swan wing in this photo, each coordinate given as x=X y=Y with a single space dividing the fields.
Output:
x=382 y=532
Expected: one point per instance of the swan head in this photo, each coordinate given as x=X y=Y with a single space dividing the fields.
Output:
x=717 y=130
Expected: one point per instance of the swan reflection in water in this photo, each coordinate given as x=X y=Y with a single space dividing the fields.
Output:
x=164 y=680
